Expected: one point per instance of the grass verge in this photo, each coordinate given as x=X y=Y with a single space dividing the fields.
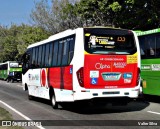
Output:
x=5 y=115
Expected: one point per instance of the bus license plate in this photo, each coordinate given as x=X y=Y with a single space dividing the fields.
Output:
x=111 y=76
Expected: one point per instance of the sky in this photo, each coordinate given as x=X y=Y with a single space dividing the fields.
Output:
x=16 y=11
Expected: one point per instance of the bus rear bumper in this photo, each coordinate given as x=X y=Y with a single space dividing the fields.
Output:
x=108 y=93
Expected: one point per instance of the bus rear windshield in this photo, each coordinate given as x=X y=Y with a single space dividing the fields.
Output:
x=109 y=41
x=14 y=65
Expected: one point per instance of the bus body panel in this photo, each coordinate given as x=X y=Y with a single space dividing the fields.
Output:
x=110 y=71
x=39 y=82
x=150 y=76
x=61 y=78
x=88 y=94
x=3 y=74
x=150 y=65
x=34 y=83
x=78 y=59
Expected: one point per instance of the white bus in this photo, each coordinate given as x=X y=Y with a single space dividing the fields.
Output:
x=83 y=64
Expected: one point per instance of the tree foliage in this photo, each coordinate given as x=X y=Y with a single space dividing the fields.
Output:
x=129 y=14
x=143 y=15
x=14 y=40
x=59 y=16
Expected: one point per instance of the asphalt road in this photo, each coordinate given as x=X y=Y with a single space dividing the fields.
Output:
x=87 y=116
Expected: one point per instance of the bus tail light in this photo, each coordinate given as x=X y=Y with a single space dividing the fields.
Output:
x=80 y=77
x=138 y=76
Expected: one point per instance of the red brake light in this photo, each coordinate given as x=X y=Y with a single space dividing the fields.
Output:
x=80 y=77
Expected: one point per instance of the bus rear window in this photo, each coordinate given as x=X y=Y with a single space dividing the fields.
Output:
x=109 y=41
x=14 y=65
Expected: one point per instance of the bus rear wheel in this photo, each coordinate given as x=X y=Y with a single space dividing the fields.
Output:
x=53 y=102
x=30 y=97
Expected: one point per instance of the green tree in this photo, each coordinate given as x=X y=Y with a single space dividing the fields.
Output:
x=143 y=15
x=15 y=39
x=58 y=16
x=8 y=43
x=29 y=35
x=93 y=12
x=129 y=14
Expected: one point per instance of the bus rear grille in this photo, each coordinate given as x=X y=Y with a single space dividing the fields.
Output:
x=109 y=93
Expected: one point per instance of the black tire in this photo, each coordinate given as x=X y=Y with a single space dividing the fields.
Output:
x=7 y=80
x=53 y=101
x=12 y=80
x=30 y=97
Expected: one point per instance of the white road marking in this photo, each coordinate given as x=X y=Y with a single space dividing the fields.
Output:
x=19 y=113
x=154 y=112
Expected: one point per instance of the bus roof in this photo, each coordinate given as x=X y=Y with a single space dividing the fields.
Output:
x=148 y=32
x=107 y=27
x=8 y=62
x=54 y=37
x=65 y=34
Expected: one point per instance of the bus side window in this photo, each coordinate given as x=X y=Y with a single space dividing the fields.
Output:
x=65 y=54
x=70 y=56
x=152 y=52
x=150 y=42
x=142 y=52
x=25 y=60
x=39 y=56
x=55 y=53
x=46 y=63
x=43 y=56
x=142 y=47
x=50 y=54
x=71 y=49
x=158 y=45
x=60 y=52
x=33 y=58
x=36 y=58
